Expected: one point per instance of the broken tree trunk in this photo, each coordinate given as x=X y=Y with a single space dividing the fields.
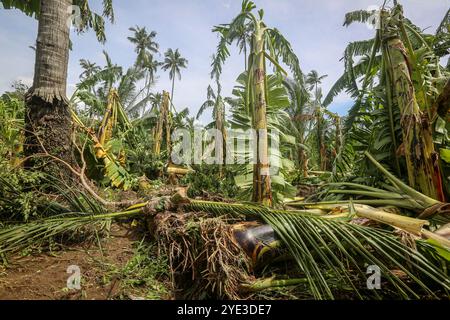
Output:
x=163 y=116
x=421 y=158
x=262 y=190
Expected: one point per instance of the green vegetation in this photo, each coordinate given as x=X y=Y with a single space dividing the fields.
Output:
x=333 y=197
x=144 y=276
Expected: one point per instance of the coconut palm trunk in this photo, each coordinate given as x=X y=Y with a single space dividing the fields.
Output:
x=171 y=94
x=48 y=120
x=168 y=120
x=420 y=155
x=262 y=192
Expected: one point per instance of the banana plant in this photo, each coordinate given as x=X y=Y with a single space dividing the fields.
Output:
x=164 y=122
x=301 y=116
x=401 y=80
x=217 y=103
x=97 y=82
x=420 y=155
x=109 y=150
x=278 y=122
x=267 y=45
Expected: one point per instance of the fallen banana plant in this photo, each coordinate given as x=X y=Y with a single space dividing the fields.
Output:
x=398 y=194
x=114 y=164
x=177 y=170
x=411 y=225
x=264 y=284
x=330 y=254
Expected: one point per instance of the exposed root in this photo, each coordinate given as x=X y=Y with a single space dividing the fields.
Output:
x=204 y=259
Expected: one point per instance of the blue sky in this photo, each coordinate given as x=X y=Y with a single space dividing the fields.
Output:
x=314 y=28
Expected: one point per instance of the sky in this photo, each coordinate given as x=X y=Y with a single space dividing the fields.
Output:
x=313 y=27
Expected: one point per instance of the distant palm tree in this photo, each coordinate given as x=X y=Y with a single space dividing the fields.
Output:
x=96 y=85
x=145 y=45
x=313 y=79
x=244 y=40
x=216 y=102
x=242 y=35
x=151 y=67
x=89 y=69
x=174 y=61
x=155 y=102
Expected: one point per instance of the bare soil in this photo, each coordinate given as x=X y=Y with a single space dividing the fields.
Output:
x=44 y=276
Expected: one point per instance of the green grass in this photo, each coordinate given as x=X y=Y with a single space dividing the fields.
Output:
x=145 y=275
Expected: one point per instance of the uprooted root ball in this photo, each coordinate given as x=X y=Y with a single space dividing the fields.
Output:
x=205 y=261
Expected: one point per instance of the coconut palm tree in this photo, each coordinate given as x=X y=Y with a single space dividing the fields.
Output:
x=89 y=69
x=145 y=44
x=48 y=120
x=145 y=48
x=242 y=35
x=313 y=79
x=216 y=102
x=174 y=62
x=151 y=68
x=155 y=102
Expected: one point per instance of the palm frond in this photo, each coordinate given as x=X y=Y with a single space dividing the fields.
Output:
x=14 y=238
x=324 y=249
x=329 y=251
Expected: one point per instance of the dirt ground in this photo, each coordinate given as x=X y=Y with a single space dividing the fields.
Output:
x=44 y=277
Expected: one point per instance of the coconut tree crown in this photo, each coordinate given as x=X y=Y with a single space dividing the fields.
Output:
x=89 y=18
x=145 y=44
x=174 y=62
